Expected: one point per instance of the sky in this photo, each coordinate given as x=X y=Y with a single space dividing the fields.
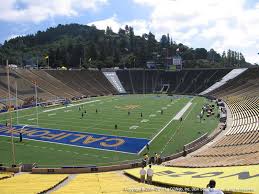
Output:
x=218 y=24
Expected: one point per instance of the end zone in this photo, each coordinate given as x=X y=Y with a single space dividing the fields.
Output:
x=121 y=144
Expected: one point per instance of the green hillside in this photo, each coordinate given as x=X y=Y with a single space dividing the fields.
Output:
x=85 y=46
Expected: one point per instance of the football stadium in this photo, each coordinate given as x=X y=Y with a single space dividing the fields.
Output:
x=92 y=111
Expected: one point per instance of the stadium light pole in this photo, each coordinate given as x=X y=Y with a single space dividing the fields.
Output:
x=10 y=113
x=37 y=63
x=36 y=100
x=80 y=63
x=48 y=62
x=16 y=103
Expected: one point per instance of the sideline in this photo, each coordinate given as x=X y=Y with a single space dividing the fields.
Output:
x=72 y=105
x=184 y=109
x=161 y=130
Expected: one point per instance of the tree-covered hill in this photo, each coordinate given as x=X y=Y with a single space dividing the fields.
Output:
x=77 y=45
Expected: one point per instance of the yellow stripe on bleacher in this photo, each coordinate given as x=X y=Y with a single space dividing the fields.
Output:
x=110 y=183
x=6 y=175
x=29 y=183
x=240 y=179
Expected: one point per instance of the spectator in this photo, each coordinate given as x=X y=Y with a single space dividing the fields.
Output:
x=147 y=146
x=146 y=158
x=144 y=162
x=211 y=188
x=151 y=160
x=142 y=173
x=158 y=159
x=149 y=175
x=20 y=134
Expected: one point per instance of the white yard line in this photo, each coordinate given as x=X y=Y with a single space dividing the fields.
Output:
x=72 y=145
x=161 y=130
x=194 y=104
x=168 y=141
x=68 y=151
x=72 y=105
x=52 y=114
x=184 y=109
x=48 y=110
x=19 y=110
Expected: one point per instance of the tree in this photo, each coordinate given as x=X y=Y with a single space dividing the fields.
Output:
x=67 y=44
x=200 y=53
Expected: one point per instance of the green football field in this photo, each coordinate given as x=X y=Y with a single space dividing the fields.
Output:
x=168 y=136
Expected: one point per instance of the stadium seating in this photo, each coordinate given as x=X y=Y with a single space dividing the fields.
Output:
x=228 y=179
x=111 y=182
x=25 y=87
x=5 y=175
x=240 y=144
x=84 y=82
x=102 y=82
x=30 y=183
x=242 y=84
x=53 y=84
x=183 y=82
x=29 y=80
x=57 y=84
x=45 y=85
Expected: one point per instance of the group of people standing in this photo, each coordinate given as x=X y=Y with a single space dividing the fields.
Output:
x=149 y=172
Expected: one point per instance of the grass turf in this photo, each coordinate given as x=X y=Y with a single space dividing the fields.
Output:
x=111 y=110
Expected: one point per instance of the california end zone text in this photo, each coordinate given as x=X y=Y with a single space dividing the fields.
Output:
x=78 y=139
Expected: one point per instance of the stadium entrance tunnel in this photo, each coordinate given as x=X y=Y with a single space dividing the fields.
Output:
x=237 y=179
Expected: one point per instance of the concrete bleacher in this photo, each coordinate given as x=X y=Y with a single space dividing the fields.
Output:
x=183 y=82
x=86 y=82
x=240 y=144
x=5 y=175
x=30 y=183
x=24 y=88
x=110 y=182
x=71 y=79
x=239 y=84
x=228 y=179
x=47 y=86
x=56 y=83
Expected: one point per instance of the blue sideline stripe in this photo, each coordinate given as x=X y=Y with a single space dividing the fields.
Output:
x=79 y=139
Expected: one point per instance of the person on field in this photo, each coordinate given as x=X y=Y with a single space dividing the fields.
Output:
x=157 y=158
x=211 y=188
x=96 y=111
x=162 y=112
x=141 y=115
x=116 y=126
x=20 y=134
x=149 y=175
x=147 y=146
x=142 y=173
x=82 y=115
x=128 y=112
